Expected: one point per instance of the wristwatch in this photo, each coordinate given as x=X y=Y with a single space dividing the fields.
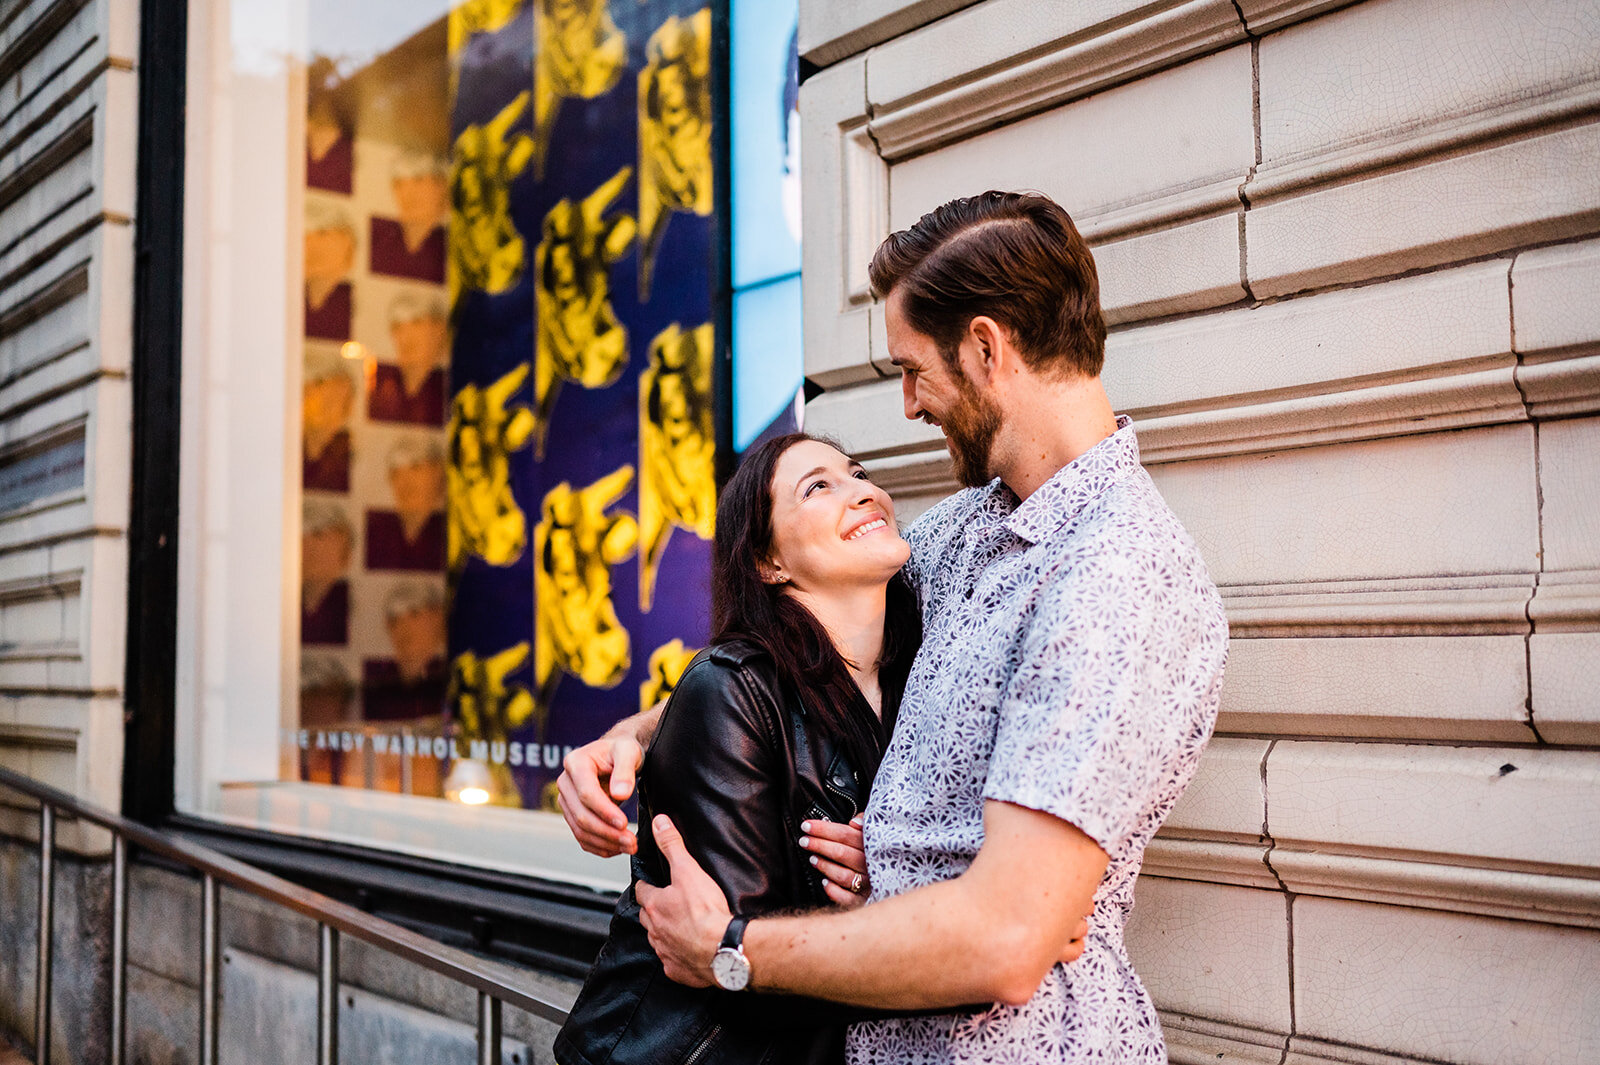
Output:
x=729 y=967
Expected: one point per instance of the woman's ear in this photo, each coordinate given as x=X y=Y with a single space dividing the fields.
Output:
x=772 y=572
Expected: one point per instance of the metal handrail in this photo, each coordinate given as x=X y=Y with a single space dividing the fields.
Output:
x=333 y=919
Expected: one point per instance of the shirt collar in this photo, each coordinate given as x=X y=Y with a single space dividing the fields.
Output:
x=1075 y=485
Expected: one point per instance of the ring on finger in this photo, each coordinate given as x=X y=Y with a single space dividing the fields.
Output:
x=856 y=884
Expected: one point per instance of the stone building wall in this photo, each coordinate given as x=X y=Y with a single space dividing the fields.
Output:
x=68 y=132
x=1349 y=260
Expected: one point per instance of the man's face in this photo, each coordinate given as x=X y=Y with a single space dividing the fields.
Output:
x=418 y=636
x=324 y=554
x=418 y=488
x=943 y=396
x=326 y=404
x=419 y=343
x=329 y=254
x=422 y=199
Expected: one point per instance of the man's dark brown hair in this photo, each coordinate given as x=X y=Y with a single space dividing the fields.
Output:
x=1014 y=256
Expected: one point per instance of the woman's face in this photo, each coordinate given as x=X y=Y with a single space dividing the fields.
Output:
x=831 y=526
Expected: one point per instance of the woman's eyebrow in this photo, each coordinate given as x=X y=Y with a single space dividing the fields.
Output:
x=808 y=474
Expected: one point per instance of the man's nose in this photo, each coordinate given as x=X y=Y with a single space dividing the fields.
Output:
x=908 y=392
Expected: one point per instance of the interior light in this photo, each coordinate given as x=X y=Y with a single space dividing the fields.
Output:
x=352 y=349
x=473 y=796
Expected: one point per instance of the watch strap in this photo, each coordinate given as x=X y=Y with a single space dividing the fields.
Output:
x=733 y=938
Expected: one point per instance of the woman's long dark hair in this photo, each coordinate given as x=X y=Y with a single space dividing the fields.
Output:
x=743 y=606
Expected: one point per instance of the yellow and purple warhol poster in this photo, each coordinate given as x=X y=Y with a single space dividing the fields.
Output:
x=581 y=276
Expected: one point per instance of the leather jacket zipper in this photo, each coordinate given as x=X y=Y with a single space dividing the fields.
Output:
x=701 y=1048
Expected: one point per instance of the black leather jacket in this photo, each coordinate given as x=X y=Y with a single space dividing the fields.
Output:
x=735 y=766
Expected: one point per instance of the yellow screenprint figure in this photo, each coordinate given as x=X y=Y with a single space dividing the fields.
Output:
x=486 y=251
x=677 y=447
x=667 y=664
x=577 y=52
x=489 y=710
x=579 y=337
x=575 y=627
x=477 y=16
x=484 y=518
x=675 y=172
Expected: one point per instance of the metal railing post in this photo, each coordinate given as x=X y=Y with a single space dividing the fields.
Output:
x=119 y=947
x=488 y=1029
x=210 y=968
x=327 y=995
x=47 y=883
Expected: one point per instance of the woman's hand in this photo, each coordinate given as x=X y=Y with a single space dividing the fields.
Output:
x=839 y=853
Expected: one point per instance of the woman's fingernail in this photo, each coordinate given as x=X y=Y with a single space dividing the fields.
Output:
x=805 y=826
x=805 y=841
x=813 y=859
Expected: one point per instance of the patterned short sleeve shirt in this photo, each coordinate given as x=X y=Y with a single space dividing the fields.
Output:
x=1071 y=663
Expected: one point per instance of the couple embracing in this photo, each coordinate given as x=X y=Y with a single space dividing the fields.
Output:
x=1013 y=694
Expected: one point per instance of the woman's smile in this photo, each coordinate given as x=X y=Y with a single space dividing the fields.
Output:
x=863 y=529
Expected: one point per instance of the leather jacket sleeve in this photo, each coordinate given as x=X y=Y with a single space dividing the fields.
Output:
x=721 y=766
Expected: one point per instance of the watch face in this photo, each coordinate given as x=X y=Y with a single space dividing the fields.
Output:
x=730 y=969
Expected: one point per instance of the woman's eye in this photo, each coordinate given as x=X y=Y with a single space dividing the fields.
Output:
x=861 y=475
x=814 y=485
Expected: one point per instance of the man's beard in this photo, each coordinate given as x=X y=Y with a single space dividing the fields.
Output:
x=970 y=428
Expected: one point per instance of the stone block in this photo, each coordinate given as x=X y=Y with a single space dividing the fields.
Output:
x=1214 y=951
x=1169 y=137
x=1007 y=59
x=1469 y=204
x=1566 y=699
x=843 y=188
x=830 y=30
x=1227 y=796
x=1569 y=479
x=1421 y=687
x=1412 y=506
x=1189 y=267
x=163 y=1020
x=270 y=1014
x=164 y=923
x=1424 y=325
x=1391 y=68
x=1445 y=987
x=80 y=946
x=1532 y=807
x=869 y=421
x=1553 y=295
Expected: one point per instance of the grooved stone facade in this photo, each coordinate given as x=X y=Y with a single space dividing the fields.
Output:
x=1349 y=259
x=1350 y=254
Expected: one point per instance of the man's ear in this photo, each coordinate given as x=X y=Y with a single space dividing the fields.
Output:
x=990 y=346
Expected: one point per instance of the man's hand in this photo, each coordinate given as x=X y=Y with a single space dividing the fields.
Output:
x=597 y=777
x=685 y=921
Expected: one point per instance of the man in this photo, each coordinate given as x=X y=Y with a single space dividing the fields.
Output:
x=1068 y=679
x=412 y=535
x=413 y=387
x=413 y=243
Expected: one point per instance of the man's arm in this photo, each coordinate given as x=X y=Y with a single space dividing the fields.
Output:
x=989 y=935
x=597 y=777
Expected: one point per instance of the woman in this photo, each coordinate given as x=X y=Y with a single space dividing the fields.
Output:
x=781 y=721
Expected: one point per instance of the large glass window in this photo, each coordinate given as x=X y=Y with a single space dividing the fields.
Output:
x=448 y=408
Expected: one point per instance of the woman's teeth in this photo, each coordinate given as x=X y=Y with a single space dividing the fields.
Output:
x=868 y=527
